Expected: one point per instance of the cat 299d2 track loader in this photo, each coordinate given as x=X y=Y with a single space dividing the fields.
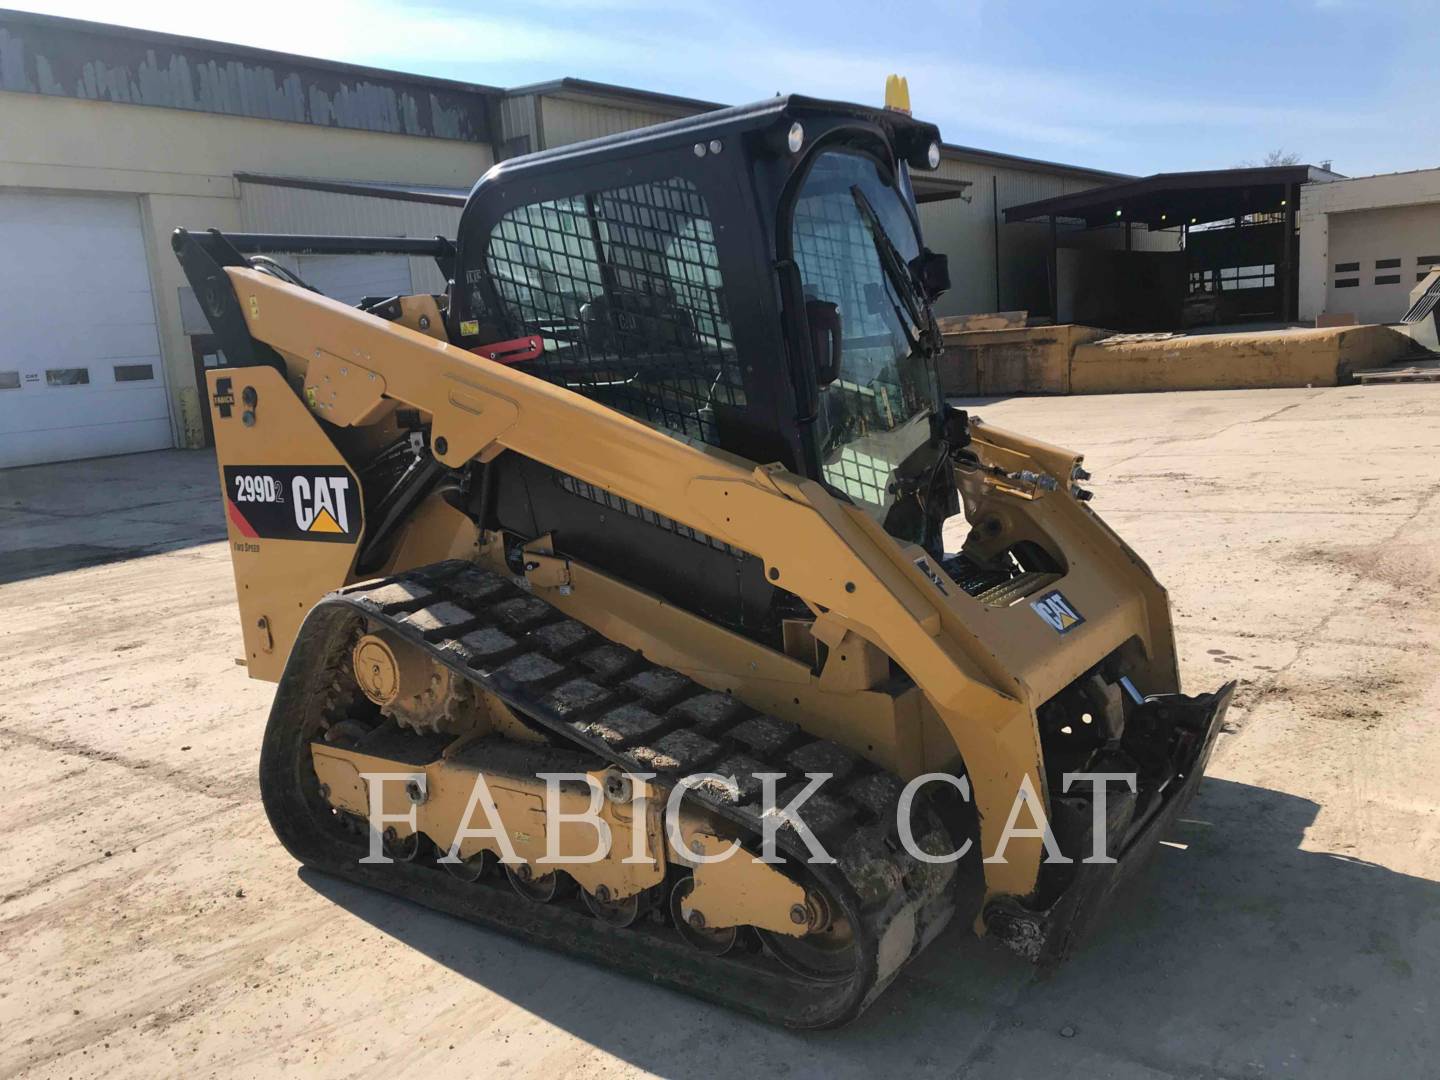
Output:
x=655 y=496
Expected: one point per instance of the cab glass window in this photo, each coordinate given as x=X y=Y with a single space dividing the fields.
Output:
x=853 y=240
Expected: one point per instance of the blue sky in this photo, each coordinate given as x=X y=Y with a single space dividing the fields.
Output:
x=1134 y=87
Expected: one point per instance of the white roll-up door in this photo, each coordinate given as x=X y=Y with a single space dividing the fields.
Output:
x=1377 y=256
x=80 y=370
x=352 y=277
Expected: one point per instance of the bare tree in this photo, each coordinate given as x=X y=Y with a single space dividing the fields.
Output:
x=1273 y=158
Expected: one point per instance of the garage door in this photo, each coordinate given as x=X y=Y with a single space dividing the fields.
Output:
x=352 y=277
x=1376 y=258
x=80 y=372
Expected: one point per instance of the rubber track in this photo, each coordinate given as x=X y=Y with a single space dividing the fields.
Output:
x=593 y=694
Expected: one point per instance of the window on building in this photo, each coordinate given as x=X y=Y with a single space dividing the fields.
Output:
x=1346 y=283
x=67 y=376
x=1231 y=278
x=134 y=372
x=1346 y=268
x=1386 y=264
x=1387 y=279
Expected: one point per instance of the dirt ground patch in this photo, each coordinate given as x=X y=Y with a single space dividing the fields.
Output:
x=150 y=925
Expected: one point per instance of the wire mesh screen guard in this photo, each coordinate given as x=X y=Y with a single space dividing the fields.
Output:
x=624 y=287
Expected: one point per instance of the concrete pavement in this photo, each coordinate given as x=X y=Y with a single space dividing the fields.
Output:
x=149 y=923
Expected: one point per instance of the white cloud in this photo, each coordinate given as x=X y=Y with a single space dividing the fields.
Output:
x=377 y=32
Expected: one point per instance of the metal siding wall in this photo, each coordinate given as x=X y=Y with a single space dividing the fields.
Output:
x=42 y=54
x=517 y=119
x=965 y=231
x=267 y=208
x=568 y=121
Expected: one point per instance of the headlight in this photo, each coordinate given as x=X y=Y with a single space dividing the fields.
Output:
x=796 y=138
x=932 y=156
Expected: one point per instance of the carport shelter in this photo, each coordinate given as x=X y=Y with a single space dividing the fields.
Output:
x=1237 y=259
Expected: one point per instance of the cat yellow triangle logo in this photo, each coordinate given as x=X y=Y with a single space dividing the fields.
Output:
x=324 y=523
x=1057 y=611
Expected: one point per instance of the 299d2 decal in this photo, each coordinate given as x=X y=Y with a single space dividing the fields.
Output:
x=282 y=502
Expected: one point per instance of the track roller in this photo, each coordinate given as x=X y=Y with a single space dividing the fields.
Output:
x=541 y=888
x=690 y=923
x=619 y=913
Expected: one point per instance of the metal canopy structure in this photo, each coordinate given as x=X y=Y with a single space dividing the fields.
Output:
x=1167 y=200
x=1186 y=200
x=930 y=188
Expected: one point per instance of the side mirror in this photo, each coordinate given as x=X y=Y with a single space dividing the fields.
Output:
x=823 y=319
x=932 y=270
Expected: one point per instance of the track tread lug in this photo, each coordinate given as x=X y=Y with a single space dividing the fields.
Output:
x=767 y=736
x=563 y=638
x=823 y=814
x=610 y=661
x=444 y=619
x=398 y=596
x=866 y=863
x=626 y=725
x=743 y=768
x=710 y=712
x=877 y=793
x=529 y=670
x=576 y=697
x=487 y=644
x=478 y=587
x=522 y=612
x=658 y=688
x=822 y=756
x=681 y=752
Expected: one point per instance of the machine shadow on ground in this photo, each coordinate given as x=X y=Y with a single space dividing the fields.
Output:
x=1235 y=952
x=76 y=514
x=36 y=562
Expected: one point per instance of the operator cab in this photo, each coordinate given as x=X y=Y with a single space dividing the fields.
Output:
x=752 y=280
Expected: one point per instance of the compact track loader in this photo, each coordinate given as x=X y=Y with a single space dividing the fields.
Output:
x=639 y=532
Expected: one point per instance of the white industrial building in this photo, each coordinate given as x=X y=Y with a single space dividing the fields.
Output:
x=111 y=137
x=1365 y=242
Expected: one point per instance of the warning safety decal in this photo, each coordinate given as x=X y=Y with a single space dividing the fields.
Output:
x=286 y=502
x=1058 y=612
